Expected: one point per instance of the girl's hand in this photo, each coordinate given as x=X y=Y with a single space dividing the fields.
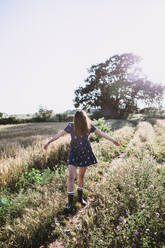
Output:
x=46 y=146
x=116 y=143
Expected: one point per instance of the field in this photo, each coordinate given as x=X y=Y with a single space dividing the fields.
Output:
x=125 y=192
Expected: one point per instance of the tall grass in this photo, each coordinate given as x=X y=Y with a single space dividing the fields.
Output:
x=21 y=147
x=33 y=157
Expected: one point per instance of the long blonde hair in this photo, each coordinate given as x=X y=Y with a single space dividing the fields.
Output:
x=82 y=123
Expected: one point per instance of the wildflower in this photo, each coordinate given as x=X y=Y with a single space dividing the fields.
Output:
x=147 y=229
x=157 y=214
x=132 y=196
x=137 y=233
x=124 y=222
x=78 y=227
x=66 y=231
x=128 y=184
x=101 y=225
x=133 y=245
x=143 y=206
x=118 y=228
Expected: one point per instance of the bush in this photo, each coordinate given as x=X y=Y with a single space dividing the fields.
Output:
x=61 y=117
x=11 y=120
x=32 y=177
x=101 y=125
x=153 y=112
x=97 y=114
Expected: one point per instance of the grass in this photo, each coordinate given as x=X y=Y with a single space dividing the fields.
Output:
x=126 y=202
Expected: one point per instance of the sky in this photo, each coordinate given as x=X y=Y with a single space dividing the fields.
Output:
x=46 y=46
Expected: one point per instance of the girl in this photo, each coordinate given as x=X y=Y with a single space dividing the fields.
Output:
x=80 y=154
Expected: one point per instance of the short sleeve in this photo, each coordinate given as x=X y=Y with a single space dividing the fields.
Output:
x=93 y=128
x=68 y=127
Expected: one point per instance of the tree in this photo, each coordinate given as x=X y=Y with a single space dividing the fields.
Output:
x=116 y=86
x=1 y=114
x=43 y=114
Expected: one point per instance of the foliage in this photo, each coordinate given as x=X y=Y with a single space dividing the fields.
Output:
x=8 y=205
x=102 y=126
x=43 y=114
x=97 y=114
x=61 y=117
x=32 y=177
x=11 y=120
x=116 y=85
x=153 y=112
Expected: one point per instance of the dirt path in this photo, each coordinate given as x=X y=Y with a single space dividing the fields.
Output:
x=72 y=222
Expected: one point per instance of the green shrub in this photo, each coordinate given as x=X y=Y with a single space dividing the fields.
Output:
x=102 y=126
x=61 y=117
x=97 y=114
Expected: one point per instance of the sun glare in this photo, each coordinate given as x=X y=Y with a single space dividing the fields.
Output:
x=153 y=68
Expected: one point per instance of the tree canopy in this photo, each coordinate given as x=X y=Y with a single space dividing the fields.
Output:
x=116 y=85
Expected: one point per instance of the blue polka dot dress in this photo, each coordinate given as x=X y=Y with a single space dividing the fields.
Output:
x=80 y=153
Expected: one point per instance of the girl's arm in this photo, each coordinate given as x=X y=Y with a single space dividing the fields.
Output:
x=58 y=135
x=100 y=133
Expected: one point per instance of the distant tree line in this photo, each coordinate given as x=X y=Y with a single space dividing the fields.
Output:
x=64 y=117
x=43 y=115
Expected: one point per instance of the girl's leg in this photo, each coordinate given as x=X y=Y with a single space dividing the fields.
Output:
x=71 y=178
x=81 y=175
